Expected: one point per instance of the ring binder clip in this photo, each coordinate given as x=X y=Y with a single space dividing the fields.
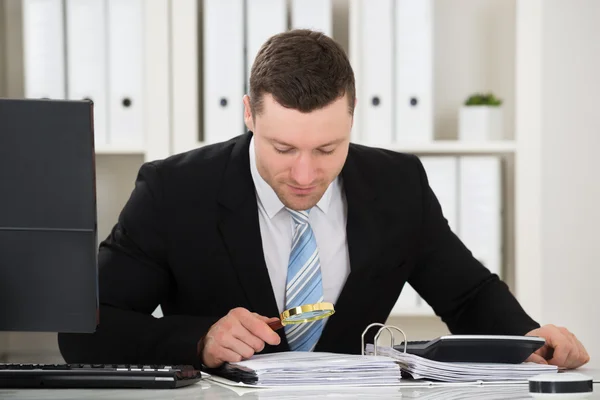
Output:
x=383 y=326
x=362 y=338
x=388 y=327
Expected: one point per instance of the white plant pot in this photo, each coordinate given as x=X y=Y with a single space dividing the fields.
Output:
x=480 y=123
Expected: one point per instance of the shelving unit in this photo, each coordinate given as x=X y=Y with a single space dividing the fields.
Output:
x=119 y=150
x=173 y=85
x=454 y=147
x=447 y=147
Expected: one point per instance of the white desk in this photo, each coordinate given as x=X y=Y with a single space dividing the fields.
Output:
x=211 y=391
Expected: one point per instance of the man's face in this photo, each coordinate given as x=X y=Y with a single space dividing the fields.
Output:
x=300 y=154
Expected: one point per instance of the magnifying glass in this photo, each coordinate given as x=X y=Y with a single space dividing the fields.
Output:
x=302 y=314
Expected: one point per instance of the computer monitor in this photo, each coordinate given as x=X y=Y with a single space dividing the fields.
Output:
x=48 y=220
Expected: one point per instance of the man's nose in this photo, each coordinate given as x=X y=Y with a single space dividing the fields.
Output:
x=303 y=170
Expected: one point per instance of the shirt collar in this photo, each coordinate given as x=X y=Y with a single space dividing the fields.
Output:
x=269 y=199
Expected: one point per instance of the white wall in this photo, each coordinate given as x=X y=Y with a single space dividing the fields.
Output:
x=474 y=50
x=115 y=177
x=571 y=168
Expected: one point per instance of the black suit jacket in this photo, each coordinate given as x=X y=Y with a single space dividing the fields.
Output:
x=189 y=240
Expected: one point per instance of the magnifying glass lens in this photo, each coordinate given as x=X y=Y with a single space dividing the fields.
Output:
x=304 y=313
x=307 y=313
x=307 y=316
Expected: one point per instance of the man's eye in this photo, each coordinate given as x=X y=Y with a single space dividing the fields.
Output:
x=282 y=151
x=326 y=152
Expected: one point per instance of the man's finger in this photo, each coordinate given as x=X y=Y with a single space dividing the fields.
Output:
x=536 y=359
x=237 y=346
x=265 y=319
x=247 y=337
x=214 y=355
x=574 y=359
x=558 y=346
x=543 y=351
x=561 y=353
x=221 y=356
x=583 y=354
x=586 y=354
x=260 y=329
x=562 y=348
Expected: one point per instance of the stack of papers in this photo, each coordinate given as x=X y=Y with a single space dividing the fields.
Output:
x=312 y=368
x=422 y=368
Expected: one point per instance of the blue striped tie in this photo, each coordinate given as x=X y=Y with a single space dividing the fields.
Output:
x=304 y=284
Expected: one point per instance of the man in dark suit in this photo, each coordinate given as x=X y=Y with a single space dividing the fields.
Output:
x=226 y=237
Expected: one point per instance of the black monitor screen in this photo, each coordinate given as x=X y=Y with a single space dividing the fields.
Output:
x=48 y=244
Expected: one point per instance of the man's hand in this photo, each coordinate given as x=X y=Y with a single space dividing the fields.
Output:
x=235 y=337
x=561 y=349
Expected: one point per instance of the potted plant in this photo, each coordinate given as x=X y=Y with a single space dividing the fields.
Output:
x=481 y=118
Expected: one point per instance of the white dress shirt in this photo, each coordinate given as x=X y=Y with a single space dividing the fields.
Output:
x=328 y=222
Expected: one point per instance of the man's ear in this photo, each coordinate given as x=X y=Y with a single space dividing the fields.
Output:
x=354 y=112
x=248 y=120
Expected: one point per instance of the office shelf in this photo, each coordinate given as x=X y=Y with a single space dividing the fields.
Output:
x=453 y=147
x=120 y=149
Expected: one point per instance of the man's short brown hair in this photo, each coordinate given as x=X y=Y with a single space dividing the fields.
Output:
x=303 y=70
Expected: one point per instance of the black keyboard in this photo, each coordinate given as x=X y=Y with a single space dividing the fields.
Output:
x=97 y=376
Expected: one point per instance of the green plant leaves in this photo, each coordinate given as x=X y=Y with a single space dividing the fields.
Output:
x=481 y=99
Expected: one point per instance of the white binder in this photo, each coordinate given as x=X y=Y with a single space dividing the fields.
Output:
x=125 y=66
x=313 y=14
x=86 y=59
x=44 y=49
x=224 y=72
x=480 y=209
x=374 y=52
x=264 y=18
x=442 y=174
x=157 y=71
x=414 y=70
x=355 y=55
x=184 y=65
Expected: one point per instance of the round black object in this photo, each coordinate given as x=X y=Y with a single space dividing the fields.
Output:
x=563 y=383
x=223 y=102
x=413 y=101
x=375 y=101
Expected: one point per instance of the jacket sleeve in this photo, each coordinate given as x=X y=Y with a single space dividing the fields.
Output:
x=466 y=295
x=134 y=278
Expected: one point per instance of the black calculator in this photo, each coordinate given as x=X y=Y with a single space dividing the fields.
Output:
x=475 y=348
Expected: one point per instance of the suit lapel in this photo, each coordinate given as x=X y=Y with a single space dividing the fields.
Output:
x=365 y=224
x=240 y=229
x=363 y=228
